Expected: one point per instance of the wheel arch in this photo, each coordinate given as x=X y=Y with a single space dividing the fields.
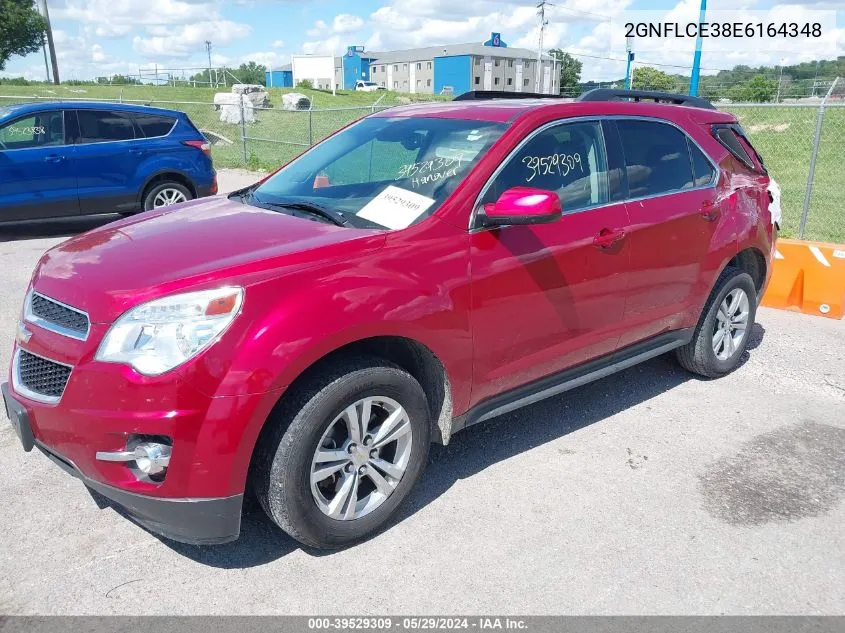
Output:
x=411 y=355
x=752 y=261
x=166 y=175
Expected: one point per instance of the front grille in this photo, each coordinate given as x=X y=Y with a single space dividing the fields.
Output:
x=41 y=376
x=57 y=314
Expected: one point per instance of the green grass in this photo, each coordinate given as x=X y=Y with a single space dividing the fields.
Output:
x=783 y=135
x=289 y=133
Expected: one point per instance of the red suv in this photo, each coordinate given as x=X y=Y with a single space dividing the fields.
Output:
x=424 y=269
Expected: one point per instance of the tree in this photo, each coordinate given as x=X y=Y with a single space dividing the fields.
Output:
x=120 y=80
x=570 y=72
x=251 y=73
x=22 y=29
x=758 y=90
x=647 y=78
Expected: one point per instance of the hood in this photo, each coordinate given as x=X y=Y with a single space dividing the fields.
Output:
x=199 y=244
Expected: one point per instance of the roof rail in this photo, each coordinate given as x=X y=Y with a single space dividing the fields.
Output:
x=483 y=95
x=611 y=94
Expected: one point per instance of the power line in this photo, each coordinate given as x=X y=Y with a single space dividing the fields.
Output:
x=642 y=62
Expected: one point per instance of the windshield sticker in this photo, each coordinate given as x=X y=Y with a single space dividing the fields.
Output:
x=560 y=163
x=395 y=208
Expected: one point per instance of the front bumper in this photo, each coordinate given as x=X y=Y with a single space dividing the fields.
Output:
x=194 y=521
x=200 y=521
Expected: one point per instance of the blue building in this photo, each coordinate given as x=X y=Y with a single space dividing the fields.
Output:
x=279 y=77
x=449 y=69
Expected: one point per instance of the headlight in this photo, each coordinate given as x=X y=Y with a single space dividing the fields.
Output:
x=160 y=335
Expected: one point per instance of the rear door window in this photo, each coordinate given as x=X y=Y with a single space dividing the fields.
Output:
x=152 y=125
x=100 y=126
x=657 y=159
x=701 y=167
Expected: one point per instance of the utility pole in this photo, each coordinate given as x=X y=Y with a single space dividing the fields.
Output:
x=208 y=50
x=541 y=11
x=42 y=5
x=696 y=60
x=780 y=80
x=629 y=49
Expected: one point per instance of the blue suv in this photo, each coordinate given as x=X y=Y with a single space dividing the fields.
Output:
x=69 y=159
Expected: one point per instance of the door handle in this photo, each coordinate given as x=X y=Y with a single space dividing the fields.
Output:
x=709 y=211
x=53 y=158
x=608 y=237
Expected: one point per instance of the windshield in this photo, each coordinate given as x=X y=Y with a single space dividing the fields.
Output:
x=384 y=172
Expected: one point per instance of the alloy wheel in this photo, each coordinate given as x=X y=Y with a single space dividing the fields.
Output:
x=731 y=324
x=166 y=197
x=361 y=458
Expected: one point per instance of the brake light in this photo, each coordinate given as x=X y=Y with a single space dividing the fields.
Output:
x=203 y=146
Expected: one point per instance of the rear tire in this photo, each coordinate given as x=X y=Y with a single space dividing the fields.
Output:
x=721 y=335
x=366 y=476
x=165 y=194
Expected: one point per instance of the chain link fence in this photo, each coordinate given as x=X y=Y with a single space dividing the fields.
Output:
x=802 y=143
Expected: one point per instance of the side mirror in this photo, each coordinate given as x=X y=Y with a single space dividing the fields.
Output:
x=523 y=205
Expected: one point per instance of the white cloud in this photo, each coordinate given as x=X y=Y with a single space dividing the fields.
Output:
x=334 y=45
x=270 y=59
x=279 y=44
x=134 y=12
x=190 y=39
x=345 y=23
x=98 y=56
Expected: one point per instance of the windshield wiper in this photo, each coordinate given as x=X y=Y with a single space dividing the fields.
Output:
x=326 y=213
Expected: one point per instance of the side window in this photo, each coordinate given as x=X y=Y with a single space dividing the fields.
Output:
x=152 y=125
x=568 y=159
x=43 y=129
x=656 y=157
x=98 y=126
x=701 y=167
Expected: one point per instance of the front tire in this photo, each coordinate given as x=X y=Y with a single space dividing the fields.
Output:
x=721 y=335
x=342 y=452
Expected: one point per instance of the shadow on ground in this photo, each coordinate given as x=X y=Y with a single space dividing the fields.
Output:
x=53 y=228
x=470 y=452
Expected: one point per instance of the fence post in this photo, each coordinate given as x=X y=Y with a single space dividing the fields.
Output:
x=808 y=191
x=243 y=126
x=310 y=129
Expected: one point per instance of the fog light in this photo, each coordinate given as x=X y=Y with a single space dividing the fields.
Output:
x=151 y=458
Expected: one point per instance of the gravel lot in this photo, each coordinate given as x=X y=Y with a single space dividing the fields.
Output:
x=649 y=492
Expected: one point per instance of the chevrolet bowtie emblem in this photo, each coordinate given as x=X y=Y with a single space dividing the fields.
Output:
x=22 y=334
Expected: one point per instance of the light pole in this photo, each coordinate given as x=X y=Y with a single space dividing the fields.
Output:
x=696 y=60
x=780 y=79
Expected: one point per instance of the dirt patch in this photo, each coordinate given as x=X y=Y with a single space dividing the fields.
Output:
x=771 y=127
x=786 y=475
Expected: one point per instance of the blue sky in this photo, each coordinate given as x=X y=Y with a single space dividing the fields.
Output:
x=102 y=37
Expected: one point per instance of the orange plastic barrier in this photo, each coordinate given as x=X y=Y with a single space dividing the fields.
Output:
x=808 y=277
